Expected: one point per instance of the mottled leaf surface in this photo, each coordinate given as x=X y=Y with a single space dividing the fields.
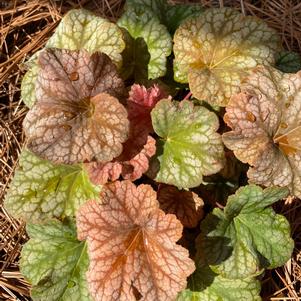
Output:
x=141 y=23
x=55 y=262
x=41 y=189
x=288 y=61
x=265 y=119
x=192 y=148
x=186 y=205
x=205 y=285
x=216 y=50
x=76 y=118
x=131 y=246
x=248 y=235
x=81 y=29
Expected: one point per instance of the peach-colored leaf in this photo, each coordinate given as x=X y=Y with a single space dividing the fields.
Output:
x=130 y=169
x=186 y=205
x=76 y=117
x=132 y=246
x=265 y=121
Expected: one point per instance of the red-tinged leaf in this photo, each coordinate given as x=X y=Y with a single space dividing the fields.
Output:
x=76 y=117
x=186 y=205
x=130 y=168
x=131 y=246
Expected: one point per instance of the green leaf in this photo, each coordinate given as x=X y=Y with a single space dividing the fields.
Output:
x=205 y=285
x=41 y=189
x=28 y=93
x=171 y=15
x=142 y=23
x=247 y=236
x=288 y=62
x=81 y=29
x=192 y=148
x=135 y=59
x=55 y=262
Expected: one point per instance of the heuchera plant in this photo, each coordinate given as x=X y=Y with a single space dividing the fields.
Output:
x=122 y=154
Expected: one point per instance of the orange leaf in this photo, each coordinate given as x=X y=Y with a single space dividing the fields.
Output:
x=131 y=245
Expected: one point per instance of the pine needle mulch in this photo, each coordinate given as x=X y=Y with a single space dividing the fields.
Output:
x=25 y=26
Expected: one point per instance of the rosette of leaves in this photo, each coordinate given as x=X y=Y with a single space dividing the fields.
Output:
x=265 y=119
x=77 y=116
x=143 y=24
x=79 y=29
x=55 y=262
x=191 y=146
x=216 y=50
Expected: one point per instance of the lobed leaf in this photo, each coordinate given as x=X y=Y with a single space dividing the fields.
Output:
x=247 y=236
x=141 y=23
x=215 y=51
x=265 y=121
x=81 y=29
x=192 y=148
x=76 y=117
x=205 y=285
x=55 y=262
x=131 y=246
x=41 y=190
x=186 y=205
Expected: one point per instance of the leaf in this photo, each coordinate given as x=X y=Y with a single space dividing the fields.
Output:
x=28 y=85
x=131 y=246
x=186 y=205
x=192 y=148
x=265 y=123
x=81 y=29
x=288 y=62
x=247 y=236
x=205 y=285
x=55 y=262
x=41 y=190
x=131 y=168
x=141 y=23
x=171 y=15
x=216 y=50
x=75 y=118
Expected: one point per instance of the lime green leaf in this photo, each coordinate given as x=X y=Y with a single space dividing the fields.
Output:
x=205 y=285
x=135 y=58
x=216 y=50
x=171 y=15
x=288 y=62
x=192 y=148
x=41 y=189
x=81 y=29
x=55 y=262
x=28 y=93
x=141 y=23
x=247 y=236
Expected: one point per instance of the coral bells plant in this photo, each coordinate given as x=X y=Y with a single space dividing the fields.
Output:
x=135 y=184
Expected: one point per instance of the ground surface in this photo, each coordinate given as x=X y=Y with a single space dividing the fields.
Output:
x=25 y=26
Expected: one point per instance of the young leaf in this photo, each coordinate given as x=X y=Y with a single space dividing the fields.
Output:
x=186 y=205
x=131 y=245
x=141 y=23
x=75 y=118
x=288 y=62
x=265 y=121
x=41 y=190
x=55 y=262
x=131 y=168
x=81 y=29
x=205 y=285
x=216 y=50
x=247 y=236
x=192 y=148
